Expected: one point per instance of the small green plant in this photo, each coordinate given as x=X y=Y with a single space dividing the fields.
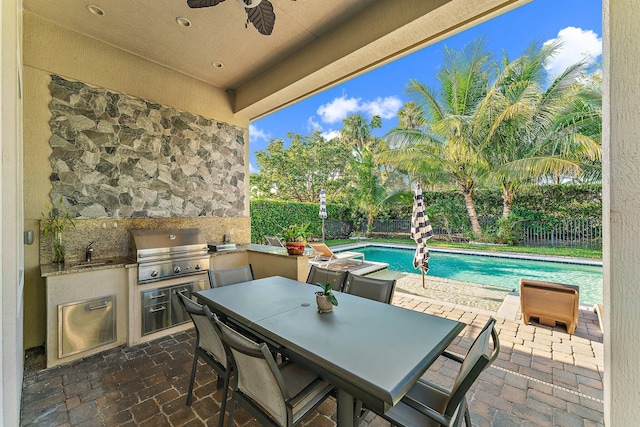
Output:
x=55 y=222
x=328 y=293
x=295 y=233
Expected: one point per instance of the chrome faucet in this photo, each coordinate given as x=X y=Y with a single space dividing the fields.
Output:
x=88 y=253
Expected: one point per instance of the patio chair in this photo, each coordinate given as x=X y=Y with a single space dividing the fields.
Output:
x=550 y=302
x=327 y=255
x=368 y=287
x=323 y=276
x=276 y=395
x=209 y=348
x=274 y=241
x=427 y=404
x=230 y=276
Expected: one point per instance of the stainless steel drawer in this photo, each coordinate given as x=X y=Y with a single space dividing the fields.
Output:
x=155 y=317
x=155 y=296
x=83 y=325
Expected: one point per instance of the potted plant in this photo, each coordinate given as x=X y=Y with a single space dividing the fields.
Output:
x=295 y=238
x=55 y=222
x=325 y=299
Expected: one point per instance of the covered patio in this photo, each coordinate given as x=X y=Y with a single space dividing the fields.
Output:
x=543 y=376
x=547 y=376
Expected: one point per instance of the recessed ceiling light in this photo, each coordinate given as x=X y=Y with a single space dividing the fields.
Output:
x=217 y=64
x=181 y=20
x=95 y=10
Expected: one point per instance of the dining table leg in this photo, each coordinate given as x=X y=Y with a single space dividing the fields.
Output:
x=346 y=409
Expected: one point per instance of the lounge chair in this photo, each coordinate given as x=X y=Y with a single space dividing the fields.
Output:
x=274 y=241
x=327 y=255
x=550 y=302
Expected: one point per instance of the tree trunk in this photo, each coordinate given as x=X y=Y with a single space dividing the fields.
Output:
x=370 y=220
x=507 y=201
x=473 y=216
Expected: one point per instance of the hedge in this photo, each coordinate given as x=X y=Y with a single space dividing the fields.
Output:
x=268 y=217
x=534 y=203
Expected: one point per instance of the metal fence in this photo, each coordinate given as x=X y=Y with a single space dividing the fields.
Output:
x=568 y=232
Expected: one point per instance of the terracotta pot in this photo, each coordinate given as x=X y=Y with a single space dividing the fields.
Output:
x=295 y=248
x=324 y=305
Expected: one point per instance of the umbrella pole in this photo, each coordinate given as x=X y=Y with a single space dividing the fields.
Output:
x=422 y=277
x=322 y=230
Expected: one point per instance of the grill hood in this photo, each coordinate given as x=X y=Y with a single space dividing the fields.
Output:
x=154 y=245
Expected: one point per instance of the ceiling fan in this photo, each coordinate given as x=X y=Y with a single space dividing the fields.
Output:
x=259 y=12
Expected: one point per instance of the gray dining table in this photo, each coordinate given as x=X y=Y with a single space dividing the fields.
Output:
x=371 y=352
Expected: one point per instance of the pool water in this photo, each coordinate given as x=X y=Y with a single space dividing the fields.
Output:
x=495 y=271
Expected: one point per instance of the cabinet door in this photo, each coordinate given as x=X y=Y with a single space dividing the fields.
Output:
x=84 y=325
x=178 y=313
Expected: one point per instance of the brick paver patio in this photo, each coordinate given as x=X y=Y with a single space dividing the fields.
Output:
x=543 y=376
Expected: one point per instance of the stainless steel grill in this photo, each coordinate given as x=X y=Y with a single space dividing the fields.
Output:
x=169 y=253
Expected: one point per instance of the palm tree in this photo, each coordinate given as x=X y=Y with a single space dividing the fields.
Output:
x=356 y=131
x=374 y=185
x=444 y=146
x=531 y=132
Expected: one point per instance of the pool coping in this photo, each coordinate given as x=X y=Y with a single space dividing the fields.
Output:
x=479 y=252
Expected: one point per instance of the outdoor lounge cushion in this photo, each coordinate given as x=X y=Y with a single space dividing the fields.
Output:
x=549 y=302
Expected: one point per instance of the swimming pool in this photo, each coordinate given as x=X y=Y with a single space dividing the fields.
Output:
x=493 y=270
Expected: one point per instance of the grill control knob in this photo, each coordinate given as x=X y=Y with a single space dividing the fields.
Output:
x=198 y=267
x=177 y=270
x=154 y=273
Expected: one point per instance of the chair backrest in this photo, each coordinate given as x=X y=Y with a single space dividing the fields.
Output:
x=323 y=249
x=371 y=288
x=257 y=374
x=478 y=358
x=274 y=241
x=323 y=276
x=206 y=336
x=231 y=276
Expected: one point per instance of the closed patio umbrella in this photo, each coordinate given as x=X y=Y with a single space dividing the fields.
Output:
x=323 y=209
x=421 y=231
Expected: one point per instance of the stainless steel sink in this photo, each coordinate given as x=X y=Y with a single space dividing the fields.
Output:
x=91 y=264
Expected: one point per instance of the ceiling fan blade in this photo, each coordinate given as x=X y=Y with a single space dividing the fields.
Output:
x=194 y=4
x=262 y=17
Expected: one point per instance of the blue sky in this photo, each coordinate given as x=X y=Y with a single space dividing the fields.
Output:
x=578 y=23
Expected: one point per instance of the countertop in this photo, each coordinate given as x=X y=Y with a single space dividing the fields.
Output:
x=47 y=270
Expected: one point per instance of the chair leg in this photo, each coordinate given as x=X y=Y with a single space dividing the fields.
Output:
x=225 y=395
x=467 y=417
x=193 y=378
x=232 y=408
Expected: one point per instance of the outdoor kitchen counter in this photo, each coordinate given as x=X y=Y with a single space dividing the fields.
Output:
x=47 y=270
x=260 y=248
x=265 y=260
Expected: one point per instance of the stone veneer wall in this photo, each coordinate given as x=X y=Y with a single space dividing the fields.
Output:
x=116 y=156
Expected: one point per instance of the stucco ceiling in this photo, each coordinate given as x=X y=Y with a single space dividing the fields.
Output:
x=314 y=44
x=148 y=28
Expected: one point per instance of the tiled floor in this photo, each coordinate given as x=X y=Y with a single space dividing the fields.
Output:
x=543 y=376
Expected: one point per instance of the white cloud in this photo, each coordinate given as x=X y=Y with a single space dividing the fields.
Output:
x=577 y=44
x=330 y=134
x=253 y=169
x=338 y=109
x=386 y=107
x=256 y=134
x=312 y=124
